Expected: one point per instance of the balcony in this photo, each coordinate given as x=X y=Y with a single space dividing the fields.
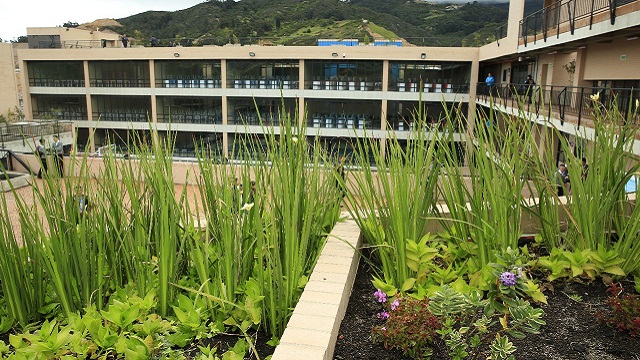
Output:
x=565 y=16
x=572 y=104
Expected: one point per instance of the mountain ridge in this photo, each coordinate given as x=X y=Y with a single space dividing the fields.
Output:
x=294 y=22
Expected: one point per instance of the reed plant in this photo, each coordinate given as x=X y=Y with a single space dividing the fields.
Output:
x=22 y=278
x=393 y=200
x=267 y=215
x=597 y=201
x=485 y=206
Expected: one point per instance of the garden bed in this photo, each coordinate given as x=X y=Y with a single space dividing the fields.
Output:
x=572 y=331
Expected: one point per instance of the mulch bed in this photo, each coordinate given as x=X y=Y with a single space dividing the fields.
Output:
x=572 y=331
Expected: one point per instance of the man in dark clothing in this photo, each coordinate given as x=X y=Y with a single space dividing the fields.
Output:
x=154 y=41
x=125 y=40
x=529 y=87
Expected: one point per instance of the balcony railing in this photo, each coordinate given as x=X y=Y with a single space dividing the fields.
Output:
x=192 y=117
x=124 y=115
x=562 y=16
x=262 y=83
x=56 y=82
x=120 y=82
x=344 y=85
x=566 y=103
x=33 y=130
x=186 y=82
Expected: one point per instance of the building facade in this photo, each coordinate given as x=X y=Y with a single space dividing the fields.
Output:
x=219 y=95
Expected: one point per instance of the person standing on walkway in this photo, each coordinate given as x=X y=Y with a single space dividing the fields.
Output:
x=58 y=152
x=585 y=169
x=529 y=86
x=489 y=82
x=125 y=40
x=42 y=154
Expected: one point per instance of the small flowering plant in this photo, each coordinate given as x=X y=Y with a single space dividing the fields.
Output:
x=409 y=325
x=510 y=282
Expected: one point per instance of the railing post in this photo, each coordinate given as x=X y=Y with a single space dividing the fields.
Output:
x=612 y=11
x=580 y=108
x=572 y=20
x=559 y=7
x=593 y=4
x=535 y=29
x=545 y=24
x=549 y=105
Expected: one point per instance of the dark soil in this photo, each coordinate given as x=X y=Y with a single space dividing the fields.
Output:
x=572 y=331
x=224 y=342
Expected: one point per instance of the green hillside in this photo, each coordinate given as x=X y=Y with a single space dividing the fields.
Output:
x=294 y=22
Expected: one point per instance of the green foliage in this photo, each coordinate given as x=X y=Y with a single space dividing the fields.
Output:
x=581 y=263
x=466 y=326
x=502 y=297
x=419 y=23
x=402 y=195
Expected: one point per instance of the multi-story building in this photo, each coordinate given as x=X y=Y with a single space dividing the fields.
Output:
x=222 y=94
x=573 y=49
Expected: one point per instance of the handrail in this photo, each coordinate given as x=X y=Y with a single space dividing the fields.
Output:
x=562 y=95
x=12 y=155
x=576 y=101
x=563 y=12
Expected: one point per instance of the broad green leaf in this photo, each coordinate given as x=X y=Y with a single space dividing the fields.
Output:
x=408 y=284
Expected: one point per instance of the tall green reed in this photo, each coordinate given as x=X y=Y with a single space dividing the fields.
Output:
x=302 y=204
x=393 y=202
x=485 y=207
x=21 y=276
x=270 y=233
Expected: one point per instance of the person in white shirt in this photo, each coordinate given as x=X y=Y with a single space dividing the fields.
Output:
x=57 y=149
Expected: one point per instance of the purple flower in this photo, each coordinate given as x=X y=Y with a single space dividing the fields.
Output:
x=508 y=279
x=384 y=315
x=380 y=296
x=394 y=304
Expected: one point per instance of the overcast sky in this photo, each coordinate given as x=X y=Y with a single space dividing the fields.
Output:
x=17 y=15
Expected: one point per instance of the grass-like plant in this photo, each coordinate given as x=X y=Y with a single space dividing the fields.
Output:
x=485 y=207
x=267 y=215
x=393 y=201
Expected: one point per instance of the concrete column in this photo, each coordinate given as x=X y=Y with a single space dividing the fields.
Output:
x=152 y=83
x=516 y=12
x=87 y=86
x=578 y=75
x=225 y=110
x=301 y=101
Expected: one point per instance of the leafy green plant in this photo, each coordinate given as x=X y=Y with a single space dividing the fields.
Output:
x=511 y=283
x=466 y=327
x=586 y=263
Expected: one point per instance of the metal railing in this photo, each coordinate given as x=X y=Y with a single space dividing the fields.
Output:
x=565 y=12
x=501 y=33
x=563 y=102
x=32 y=130
x=440 y=41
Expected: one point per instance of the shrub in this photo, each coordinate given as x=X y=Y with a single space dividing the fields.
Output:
x=410 y=327
x=625 y=310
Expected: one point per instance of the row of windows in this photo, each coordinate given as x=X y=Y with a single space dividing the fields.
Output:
x=192 y=145
x=336 y=114
x=318 y=74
